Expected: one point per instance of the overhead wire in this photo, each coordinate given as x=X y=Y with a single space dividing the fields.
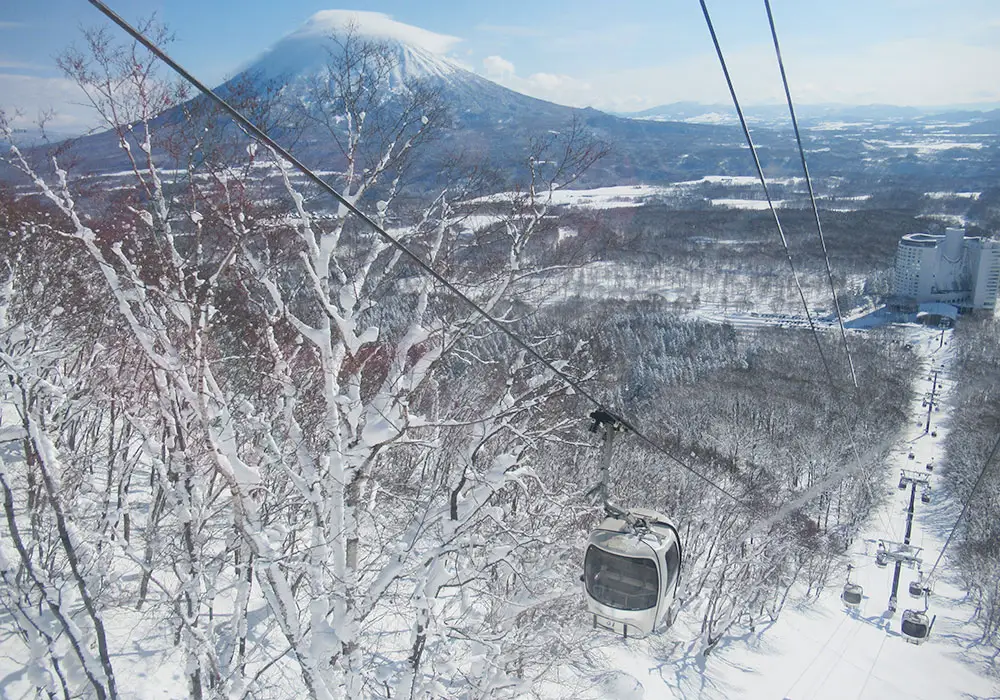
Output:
x=252 y=130
x=815 y=658
x=871 y=671
x=812 y=194
x=838 y=475
x=767 y=192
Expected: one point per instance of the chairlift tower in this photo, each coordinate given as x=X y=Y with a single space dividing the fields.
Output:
x=903 y=552
x=930 y=401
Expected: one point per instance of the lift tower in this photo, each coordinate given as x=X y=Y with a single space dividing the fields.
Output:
x=930 y=402
x=904 y=553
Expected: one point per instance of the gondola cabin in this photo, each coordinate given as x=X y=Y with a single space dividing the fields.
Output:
x=852 y=595
x=631 y=569
x=916 y=626
x=917 y=588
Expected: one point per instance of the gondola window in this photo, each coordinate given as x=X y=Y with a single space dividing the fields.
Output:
x=624 y=583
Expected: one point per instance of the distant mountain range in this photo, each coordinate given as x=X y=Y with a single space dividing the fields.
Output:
x=486 y=121
x=698 y=113
x=681 y=141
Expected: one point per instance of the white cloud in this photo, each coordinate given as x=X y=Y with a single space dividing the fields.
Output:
x=905 y=72
x=497 y=67
x=378 y=24
x=562 y=89
x=25 y=97
x=12 y=25
x=21 y=65
x=553 y=82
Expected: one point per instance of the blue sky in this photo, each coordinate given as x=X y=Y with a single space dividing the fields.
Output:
x=623 y=55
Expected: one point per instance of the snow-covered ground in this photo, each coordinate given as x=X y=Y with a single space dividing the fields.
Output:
x=822 y=650
x=741 y=297
x=636 y=195
x=756 y=204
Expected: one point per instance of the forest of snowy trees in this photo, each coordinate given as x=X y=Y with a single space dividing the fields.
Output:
x=971 y=456
x=243 y=436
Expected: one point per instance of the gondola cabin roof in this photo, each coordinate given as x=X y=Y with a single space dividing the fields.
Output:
x=624 y=537
x=626 y=544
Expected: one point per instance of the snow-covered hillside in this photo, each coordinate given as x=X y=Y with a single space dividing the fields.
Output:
x=819 y=649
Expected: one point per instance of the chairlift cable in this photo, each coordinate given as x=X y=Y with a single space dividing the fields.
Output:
x=871 y=670
x=805 y=498
x=815 y=658
x=965 y=508
x=812 y=194
x=260 y=135
x=767 y=192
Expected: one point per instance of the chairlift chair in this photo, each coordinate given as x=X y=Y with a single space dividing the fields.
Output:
x=916 y=626
x=631 y=569
x=881 y=558
x=852 y=595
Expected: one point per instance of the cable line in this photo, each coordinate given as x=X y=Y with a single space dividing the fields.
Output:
x=838 y=475
x=871 y=671
x=968 y=502
x=767 y=192
x=812 y=194
x=259 y=134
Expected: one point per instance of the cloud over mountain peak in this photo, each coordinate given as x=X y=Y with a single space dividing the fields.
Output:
x=375 y=25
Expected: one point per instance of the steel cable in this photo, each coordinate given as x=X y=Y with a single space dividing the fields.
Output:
x=812 y=194
x=260 y=135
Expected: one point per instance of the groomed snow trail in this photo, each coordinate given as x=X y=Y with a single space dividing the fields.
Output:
x=821 y=651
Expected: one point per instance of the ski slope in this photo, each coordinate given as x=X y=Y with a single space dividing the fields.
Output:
x=819 y=650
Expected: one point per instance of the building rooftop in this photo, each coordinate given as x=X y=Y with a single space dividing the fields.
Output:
x=922 y=240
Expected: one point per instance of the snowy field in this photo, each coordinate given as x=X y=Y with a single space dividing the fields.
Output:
x=621 y=196
x=818 y=649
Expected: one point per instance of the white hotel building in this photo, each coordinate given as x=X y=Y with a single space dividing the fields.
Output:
x=949 y=268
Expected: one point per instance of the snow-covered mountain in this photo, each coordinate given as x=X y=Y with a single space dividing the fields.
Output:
x=486 y=121
x=491 y=123
x=419 y=54
x=777 y=114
